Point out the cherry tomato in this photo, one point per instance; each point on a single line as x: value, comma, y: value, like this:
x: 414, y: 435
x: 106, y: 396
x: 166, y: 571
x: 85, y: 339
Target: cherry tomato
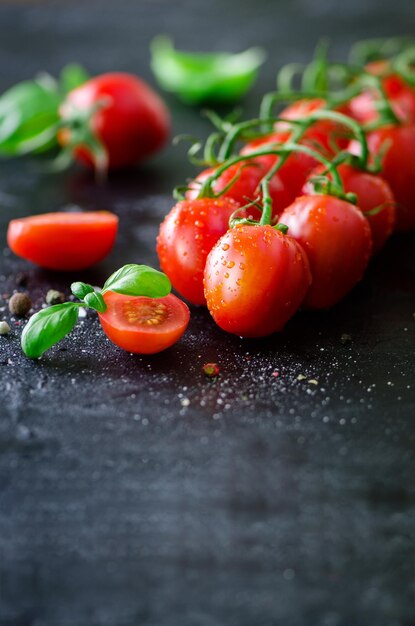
x: 255, y: 279
x: 186, y: 237
x: 326, y: 136
x: 63, y: 241
x: 372, y: 193
x: 132, y: 122
x: 144, y: 325
x: 337, y: 240
x: 400, y: 95
x: 247, y: 186
x: 398, y: 168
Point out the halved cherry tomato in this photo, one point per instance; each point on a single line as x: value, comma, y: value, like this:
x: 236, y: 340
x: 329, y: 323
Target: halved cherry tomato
x: 337, y: 240
x: 186, y: 237
x: 63, y: 241
x: 144, y: 325
x: 372, y: 192
x: 130, y: 120
x: 255, y: 279
x: 397, y: 143
x: 400, y: 95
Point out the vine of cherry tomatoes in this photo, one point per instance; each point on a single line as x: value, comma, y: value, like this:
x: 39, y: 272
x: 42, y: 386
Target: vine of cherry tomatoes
x: 291, y: 207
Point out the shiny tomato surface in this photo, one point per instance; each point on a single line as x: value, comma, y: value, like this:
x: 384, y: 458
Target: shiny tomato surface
x: 63, y: 241
x: 255, y: 280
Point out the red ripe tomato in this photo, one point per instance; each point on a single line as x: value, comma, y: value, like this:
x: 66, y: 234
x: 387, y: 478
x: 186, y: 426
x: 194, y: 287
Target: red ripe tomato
x: 247, y: 186
x: 398, y: 168
x: 63, y: 241
x: 290, y: 178
x: 372, y: 193
x: 337, y: 240
x: 363, y: 107
x: 255, y: 279
x: 144, y: 325
x: 326, y: 136
x: 186, y: 237
x: 132, y: 123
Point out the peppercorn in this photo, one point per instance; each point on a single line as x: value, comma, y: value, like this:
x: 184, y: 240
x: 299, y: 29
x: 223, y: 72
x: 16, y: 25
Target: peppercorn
x: 20, y: 304
x: 4, y: 328
x: 54, y: 297
x: 211, y: 370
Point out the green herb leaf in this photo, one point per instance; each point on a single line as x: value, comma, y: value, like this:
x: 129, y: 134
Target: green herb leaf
x: 80, y: 290
x: 47, y: 327
x: 95, y: 301
x: 29, y: 116
x: 138, y: 280
x: 201, y: 77
x: 72, y: 76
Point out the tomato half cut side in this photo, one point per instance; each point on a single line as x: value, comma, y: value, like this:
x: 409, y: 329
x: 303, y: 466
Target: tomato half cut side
x: 144, y: 325
x: 63, y: 241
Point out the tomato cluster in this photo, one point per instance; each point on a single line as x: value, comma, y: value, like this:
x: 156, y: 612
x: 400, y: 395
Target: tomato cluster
x: 292, y: 216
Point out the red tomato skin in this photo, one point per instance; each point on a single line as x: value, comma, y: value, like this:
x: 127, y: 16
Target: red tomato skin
x: 398, y: 168
x: 337, y: 240
x: 400, y: 94
x: 186, y: 237
x: 247, y: 187
x: 141, y: 338
x: 132, y: 124
x: 255, y: 280
x: 63, y: 241
x: 372, y: 191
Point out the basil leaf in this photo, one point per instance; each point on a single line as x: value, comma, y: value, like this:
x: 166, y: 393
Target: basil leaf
x: 47, y: 327
x: 95, y: 301
x: 200, y: 77
x: 138, y: 280
x: 27, y: 112
x: 72, y: 76
x: 80, y: 290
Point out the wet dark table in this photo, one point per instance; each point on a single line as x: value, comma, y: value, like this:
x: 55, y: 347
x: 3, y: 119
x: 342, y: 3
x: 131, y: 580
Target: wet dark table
x: 133, y: 491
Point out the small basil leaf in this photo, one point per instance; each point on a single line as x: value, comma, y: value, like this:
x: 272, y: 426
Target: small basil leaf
x: 47, y: 327
x: 80, y: 290
x: 139, y: 280
x: 72, y: 76
x: 95, y: 301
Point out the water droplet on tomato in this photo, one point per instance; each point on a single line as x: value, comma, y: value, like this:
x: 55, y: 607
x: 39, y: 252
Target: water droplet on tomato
x: 231, y: 264
x: 225, y: 246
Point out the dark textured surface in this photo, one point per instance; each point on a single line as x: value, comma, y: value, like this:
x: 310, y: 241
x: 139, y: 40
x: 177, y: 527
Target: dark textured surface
x: 133, y: 491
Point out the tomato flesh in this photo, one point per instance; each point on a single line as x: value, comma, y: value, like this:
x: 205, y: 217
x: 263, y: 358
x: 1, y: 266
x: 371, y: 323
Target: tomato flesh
x: 132, y: 123
x: 186, y: 236
x: 337, y: 240
x: 255, y: 279
x: 63, y: 241
x: 144, y: 325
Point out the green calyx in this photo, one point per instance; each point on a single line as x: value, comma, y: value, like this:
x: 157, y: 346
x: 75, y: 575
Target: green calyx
x: 47, y: 327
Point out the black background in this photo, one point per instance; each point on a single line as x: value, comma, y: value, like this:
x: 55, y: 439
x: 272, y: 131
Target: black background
x: 133, y: 491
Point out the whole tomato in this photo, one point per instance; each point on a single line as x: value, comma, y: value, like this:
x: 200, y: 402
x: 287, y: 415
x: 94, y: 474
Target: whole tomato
x: 374, y: 198
x: 337, y: 240
x: 120, y: 111
x: 188, y: 233
x: 247, y: 176
x: 364, y: 107
x: 255, y: 280
x: 397, y: 145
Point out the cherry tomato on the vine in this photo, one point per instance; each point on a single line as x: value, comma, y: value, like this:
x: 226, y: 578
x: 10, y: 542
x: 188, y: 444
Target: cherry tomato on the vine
x: 374, y: 198
x: 63, y: 241
x: 255, y: 279
x: 144, y: 325
x: 397, y: 145
x: 337, y: 240
x: 122, y: 112
x: 364, y: 107
x: 186, y: 237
